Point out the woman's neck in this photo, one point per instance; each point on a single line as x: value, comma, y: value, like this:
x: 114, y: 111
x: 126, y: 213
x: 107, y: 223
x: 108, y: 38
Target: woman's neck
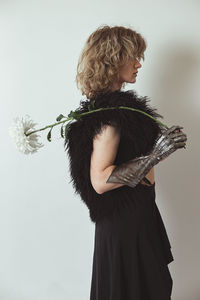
x: 116, y: 87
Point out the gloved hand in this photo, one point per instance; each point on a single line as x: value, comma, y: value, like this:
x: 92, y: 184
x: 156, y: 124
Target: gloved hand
x: 169, y: 141
x: 133, y: 171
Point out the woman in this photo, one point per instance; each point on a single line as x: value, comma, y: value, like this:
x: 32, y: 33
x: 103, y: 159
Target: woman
x: 112, y: 154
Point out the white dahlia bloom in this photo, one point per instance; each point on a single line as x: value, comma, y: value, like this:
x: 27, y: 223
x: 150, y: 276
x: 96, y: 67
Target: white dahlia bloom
x: 25, y: 144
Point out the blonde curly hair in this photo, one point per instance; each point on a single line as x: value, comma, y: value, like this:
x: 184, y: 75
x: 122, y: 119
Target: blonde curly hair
x: 105, y: 51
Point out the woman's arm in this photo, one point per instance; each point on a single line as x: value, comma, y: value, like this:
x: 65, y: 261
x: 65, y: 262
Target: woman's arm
x: 134, y: 170
x: 105, y: 146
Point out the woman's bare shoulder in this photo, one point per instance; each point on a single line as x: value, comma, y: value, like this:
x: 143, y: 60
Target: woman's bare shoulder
x: 105, y: 146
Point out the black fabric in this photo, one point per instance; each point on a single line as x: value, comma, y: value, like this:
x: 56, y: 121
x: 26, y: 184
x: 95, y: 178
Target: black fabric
x: 138, y: 134
x: 132, y: 252
x: 131, y: 247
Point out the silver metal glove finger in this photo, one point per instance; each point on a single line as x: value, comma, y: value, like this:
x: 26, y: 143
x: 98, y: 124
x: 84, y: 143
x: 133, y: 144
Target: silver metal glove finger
x: 178, y: 134
x: 180, y: 145
x: 179, y: 137
x: 172, y: 128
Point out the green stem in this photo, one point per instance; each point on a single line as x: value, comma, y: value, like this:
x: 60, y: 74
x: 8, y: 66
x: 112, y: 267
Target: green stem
x: 49, y: 126
x: 96, y: 110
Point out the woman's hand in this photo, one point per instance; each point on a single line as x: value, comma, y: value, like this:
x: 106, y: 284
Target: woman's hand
x: 169, y: 140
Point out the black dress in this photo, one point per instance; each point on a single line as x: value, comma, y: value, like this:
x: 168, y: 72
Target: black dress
x: 132, y: 253
x: 131, y: 247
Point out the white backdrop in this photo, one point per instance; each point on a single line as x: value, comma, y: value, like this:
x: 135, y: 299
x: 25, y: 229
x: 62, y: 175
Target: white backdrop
x: 46, y: 236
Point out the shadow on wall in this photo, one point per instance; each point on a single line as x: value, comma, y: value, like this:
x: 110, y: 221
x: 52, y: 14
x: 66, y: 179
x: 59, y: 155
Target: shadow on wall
x: 176, y: 88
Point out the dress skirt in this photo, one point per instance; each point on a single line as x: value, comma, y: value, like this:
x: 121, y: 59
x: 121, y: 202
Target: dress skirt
x: 132, y: 252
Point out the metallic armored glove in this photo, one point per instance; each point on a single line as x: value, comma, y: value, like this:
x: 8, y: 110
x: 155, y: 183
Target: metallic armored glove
x: 133, y: 171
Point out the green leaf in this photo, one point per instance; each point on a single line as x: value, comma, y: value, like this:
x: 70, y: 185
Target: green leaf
x: 74, y: 115
x: 60, y: 117
x: 67, y: 130
x: 93, y: 102
x: 62, y: 131
x: 70, y: 114
x: 49, y: 135
x: 91, y: 105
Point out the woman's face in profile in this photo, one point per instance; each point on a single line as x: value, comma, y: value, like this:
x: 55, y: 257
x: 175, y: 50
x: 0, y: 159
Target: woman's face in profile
x: 128, y: 72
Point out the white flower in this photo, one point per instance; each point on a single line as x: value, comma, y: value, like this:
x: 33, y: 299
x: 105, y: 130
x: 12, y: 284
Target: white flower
x: 26, y: 144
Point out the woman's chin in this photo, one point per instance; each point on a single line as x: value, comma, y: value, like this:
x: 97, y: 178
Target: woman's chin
x: 132, y: 81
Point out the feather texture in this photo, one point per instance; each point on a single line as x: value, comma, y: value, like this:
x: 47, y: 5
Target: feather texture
x: 138, y: 133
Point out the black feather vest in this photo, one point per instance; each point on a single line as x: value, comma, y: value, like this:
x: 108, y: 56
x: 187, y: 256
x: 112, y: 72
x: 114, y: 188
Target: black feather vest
x: 138, y: 135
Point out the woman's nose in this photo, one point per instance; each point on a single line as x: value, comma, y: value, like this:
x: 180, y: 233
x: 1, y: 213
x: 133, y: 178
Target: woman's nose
x: 137, y: 64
